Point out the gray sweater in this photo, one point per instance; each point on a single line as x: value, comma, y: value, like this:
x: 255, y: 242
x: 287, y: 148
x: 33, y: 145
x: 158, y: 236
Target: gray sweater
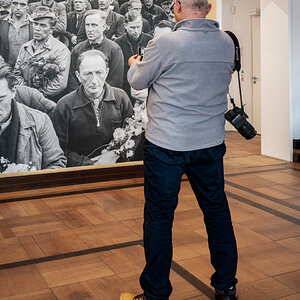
x: 188, y: 72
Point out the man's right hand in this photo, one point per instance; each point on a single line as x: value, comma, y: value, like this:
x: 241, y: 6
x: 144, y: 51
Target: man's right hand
x: 133, y: 59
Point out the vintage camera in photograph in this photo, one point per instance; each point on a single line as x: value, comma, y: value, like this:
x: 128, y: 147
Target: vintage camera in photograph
x: 238, y: 118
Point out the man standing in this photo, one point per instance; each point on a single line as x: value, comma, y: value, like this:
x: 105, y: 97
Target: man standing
x: 150, y: 11
x: 114, y: 22
x: 130, y: 41
x: 188, y: 72
x: 135, y: 6
x: 95, y: 24
x: 15, y: 30
x: 45, y: 46
x: 59, y: 10
x: 27, y: 135
x: 86, y: 119
x: 74, y: 20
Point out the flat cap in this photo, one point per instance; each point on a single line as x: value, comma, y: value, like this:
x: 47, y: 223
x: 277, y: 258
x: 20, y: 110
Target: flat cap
x: 167, y: 2
x: 43, y: 12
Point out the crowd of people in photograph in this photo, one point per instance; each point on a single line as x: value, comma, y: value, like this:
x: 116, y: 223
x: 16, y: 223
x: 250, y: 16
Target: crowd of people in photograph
x: 65, y: 98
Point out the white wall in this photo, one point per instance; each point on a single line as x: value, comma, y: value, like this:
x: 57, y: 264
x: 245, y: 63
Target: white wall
x: 280, y: 62
x: 240, y: 24
x: 295, y: 67
x: 275, y: 79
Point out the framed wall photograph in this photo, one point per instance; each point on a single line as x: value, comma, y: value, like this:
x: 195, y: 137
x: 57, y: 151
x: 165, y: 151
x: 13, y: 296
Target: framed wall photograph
x: 69, y: 114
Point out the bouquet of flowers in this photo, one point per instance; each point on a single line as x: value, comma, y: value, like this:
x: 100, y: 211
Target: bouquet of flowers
x: 7, y: 167
x: 44, y: 70
x: 124, y: 139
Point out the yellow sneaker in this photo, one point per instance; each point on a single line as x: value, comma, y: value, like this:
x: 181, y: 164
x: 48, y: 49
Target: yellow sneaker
x: 128, y: 296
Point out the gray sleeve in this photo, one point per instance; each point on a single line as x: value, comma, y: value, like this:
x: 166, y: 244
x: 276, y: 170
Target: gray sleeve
x: 143, y: 74
x: 34, y: 99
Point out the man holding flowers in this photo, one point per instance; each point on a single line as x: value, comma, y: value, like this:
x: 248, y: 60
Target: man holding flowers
x: 86, y: 119
x: 44, y: 62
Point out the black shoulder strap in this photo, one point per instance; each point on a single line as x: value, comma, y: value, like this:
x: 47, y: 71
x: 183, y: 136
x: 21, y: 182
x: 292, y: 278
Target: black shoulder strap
x: 237, y: 58
x: 237, y: 64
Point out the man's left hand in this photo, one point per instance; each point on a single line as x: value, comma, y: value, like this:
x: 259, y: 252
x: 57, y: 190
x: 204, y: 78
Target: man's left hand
x: 109, y: 157
x: 133, y: 59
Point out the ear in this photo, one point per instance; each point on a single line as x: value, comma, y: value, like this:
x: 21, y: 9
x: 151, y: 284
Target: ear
x: 107, y: 72
x: 208, y: 8
x: 13, y: 92
x: 78, y: 76
x: 177, y: 6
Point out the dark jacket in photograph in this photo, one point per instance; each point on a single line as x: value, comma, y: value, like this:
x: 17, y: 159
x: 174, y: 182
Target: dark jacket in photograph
x: 75, y: 123
x: 72, y: 24
x: 115, y: 27
x: 115, y: 62
x: 4, y: 36
x: 30, y: 137
x: 34, y: 99
x: 129, y: 48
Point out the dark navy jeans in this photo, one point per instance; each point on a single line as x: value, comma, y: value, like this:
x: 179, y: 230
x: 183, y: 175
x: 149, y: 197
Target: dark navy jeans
x: 163, y: 172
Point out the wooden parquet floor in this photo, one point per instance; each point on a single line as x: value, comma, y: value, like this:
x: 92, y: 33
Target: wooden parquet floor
x: 85, y: 241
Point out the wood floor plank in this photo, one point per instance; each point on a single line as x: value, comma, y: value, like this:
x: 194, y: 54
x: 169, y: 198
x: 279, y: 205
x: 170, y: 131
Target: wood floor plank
x: 271, y: 258
x: 264, y: 289
x: 59, y: 242
x: 120, y: 204
x: 31, y: 247
x: 290, y: 297
x: 181, y: 288
x: 291, y: 243
x: 35, y: 207
x: 191, y: 219
x: 73, y: 218
x: 67, y: 202
x: 273, y: 192
x: 271, y: 227
x: 105, y: 234
x: 291, y: 279
x: 280, y: 177
x: 188, y: 243
x: 19, y: 281
x: 265, y: 202
x: 11, y: 250
x: 96, y: 215
x: 135, y: 225
x: 108, y: 199
x: 5, y: 231
x: 38, y: 295
x: 126, y: 261
x: 35, y: 224
x: 75, y: 291
x: 108, y: 287
x: 73, y: 270
x: 12, y: 210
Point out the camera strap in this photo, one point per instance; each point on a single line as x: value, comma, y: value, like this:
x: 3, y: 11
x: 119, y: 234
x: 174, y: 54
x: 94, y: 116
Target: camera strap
x: 237, y: 64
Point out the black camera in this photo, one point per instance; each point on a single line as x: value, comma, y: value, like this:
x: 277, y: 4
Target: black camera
x: 238, y: 118
x: 141, y: 51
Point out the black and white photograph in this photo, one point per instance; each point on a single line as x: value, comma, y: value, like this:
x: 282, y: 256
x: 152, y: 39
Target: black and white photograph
x: 63, y: 76
x: 149, y: 150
